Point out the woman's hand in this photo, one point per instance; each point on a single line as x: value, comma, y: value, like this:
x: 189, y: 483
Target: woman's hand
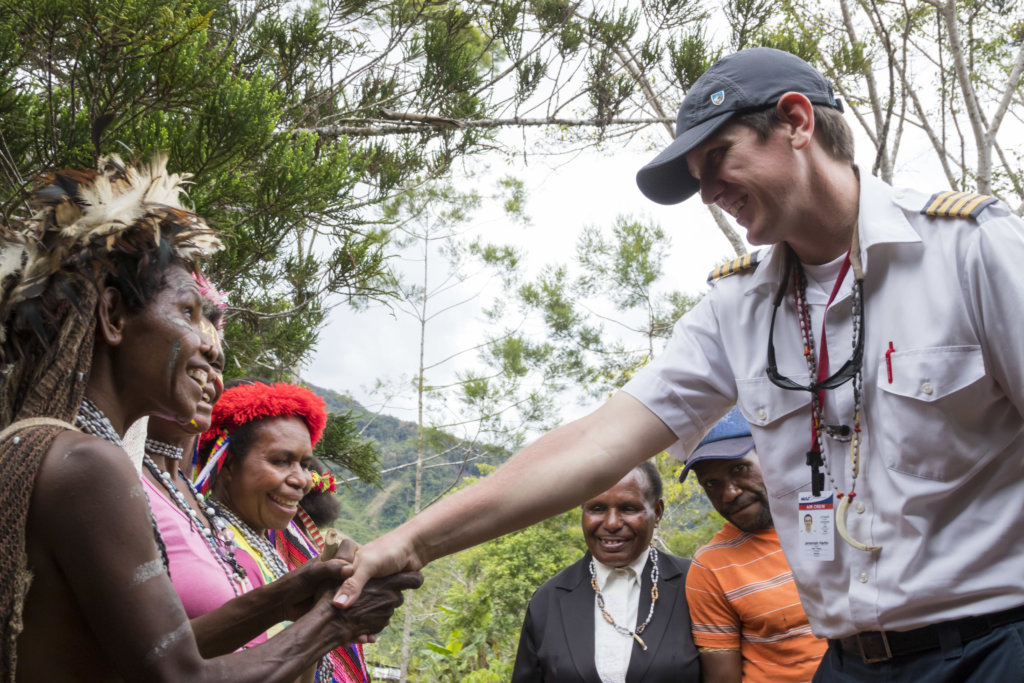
x: 300, y: 587
x: 378, y: 600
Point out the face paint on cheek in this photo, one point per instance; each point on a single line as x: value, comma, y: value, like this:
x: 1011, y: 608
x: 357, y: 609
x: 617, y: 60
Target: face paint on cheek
x: 208, y: 332
x: 172, y: 359
x: 182, y: 323
x: 187, y: 328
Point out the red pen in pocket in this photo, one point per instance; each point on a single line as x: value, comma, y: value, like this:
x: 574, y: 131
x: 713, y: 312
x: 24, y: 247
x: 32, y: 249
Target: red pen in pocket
x: 888, y: 361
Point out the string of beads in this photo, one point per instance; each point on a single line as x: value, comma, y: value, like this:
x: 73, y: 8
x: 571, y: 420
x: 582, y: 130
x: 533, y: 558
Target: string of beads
x: 214, y: 531
x: 257, y: 542
x: 262, y: 545
x: 635, y: 635
x: 804, y: 317
x: 164, y: 449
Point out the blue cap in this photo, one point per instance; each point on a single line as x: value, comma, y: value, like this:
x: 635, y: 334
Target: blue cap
x: 728, y: 440
x: 740, y: 83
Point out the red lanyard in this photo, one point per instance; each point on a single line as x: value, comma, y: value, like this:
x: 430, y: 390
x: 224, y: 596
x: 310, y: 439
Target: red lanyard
x: 823, y: 354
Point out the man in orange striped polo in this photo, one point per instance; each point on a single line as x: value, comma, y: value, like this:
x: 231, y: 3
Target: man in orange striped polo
x: 747, y: 619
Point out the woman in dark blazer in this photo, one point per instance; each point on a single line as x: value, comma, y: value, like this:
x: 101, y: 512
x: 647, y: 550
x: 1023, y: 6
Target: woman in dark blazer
x: 557, y: 643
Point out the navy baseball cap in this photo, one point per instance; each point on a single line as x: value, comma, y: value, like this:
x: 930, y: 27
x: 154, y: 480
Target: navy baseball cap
x: 740, y: 83
x: 728, y: 440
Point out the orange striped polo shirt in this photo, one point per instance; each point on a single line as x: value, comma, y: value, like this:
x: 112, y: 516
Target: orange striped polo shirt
x: 741, y: 596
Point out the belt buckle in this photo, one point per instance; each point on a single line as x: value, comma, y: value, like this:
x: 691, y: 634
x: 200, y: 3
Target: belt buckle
x: 874, y: 647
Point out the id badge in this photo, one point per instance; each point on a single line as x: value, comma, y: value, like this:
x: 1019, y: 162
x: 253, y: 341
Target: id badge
x: 816, y: 523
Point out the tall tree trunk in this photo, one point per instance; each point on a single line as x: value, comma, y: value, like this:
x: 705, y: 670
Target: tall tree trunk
x: 420, y: 451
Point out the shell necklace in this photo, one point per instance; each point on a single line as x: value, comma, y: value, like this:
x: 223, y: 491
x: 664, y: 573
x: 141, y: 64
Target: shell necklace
x: 635, y: 635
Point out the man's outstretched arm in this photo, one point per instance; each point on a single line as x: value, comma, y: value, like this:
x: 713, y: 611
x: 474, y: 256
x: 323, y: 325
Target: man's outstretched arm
x: 555, y: 473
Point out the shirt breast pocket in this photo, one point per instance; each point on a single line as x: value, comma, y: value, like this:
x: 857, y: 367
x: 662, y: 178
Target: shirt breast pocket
x: 780, y: 422
x: 931, y: 403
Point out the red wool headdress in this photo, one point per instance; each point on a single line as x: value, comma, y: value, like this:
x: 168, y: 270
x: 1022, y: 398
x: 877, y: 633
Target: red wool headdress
x: 247, y: 402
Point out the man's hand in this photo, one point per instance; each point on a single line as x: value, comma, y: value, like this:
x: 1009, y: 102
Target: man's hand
x: 381, y: 557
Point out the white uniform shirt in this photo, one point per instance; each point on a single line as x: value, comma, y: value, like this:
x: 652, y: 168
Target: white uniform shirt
x: 621, y: 591
x: 941, y: 483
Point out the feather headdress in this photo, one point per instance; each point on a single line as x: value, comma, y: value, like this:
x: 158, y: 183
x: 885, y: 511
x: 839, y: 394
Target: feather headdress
x: 257, y: 401
x: 87, y: 227
x: 87, y: 213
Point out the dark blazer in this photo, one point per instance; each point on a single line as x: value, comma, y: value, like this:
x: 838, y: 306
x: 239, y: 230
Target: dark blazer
x: 557, y: 641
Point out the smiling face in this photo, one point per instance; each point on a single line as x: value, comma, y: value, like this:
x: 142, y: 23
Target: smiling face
x: 754, y: 181
x: 619, y: 523
x: 736, y: 490
x: 164, y: 429
x: 163, y: 351
x: 214, y: 386
x: 265, y: 486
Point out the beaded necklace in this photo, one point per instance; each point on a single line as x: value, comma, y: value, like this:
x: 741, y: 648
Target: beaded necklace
x: 164, y: 449
x: 277, y: 567
x: 257, y: 542
x: 818, y: 426
x: 91, y: 420
x: 215, y: 533
x: 814, y: 457
x: 635, y: 635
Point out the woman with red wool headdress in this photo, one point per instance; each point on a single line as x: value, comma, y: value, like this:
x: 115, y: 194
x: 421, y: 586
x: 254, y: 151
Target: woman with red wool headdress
x: 260, y: 446
x: 101, y: 325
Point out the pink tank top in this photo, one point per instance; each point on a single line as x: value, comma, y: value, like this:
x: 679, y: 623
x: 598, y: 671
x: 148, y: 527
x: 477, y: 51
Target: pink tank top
x: 200, y: 580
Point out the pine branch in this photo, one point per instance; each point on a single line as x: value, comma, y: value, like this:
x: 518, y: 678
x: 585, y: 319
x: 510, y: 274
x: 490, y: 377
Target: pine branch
x: 426, y: 124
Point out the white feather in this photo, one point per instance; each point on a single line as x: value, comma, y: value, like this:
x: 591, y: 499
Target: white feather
x: 11, y: 259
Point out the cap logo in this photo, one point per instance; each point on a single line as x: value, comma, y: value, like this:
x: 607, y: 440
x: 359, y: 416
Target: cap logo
x: 718, y: 97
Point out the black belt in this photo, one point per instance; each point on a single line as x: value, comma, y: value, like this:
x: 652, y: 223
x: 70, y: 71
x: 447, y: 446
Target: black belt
x: 880, y: 646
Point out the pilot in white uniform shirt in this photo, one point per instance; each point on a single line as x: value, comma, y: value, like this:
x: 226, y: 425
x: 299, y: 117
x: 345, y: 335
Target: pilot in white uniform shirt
x: 940, y: 485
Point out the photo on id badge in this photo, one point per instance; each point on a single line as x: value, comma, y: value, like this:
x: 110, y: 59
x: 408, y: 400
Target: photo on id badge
x: 816, y: 522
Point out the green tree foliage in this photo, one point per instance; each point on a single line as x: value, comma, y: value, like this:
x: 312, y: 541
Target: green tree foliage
x: 298, y: 118
x: 444, y: 276
x: 211, y: 86
x: 342, y: 445
x: 938, y: 74
x: 591, y: 346
x: 477, y: 599
x: 369, y: 509
x: 689, y: 520
x: 473, y: 604
x: 238, y: 93
x: 473, y: 608
x: 485, y: 606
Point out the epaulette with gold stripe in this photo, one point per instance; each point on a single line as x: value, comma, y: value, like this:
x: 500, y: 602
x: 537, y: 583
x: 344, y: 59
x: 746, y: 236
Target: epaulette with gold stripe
x: 957, y: 204
x: 742, y: 264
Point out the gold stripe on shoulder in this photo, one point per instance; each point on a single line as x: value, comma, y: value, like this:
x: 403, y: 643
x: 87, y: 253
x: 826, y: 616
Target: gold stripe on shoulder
x: 745, y: 263
x: 957, y: 204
